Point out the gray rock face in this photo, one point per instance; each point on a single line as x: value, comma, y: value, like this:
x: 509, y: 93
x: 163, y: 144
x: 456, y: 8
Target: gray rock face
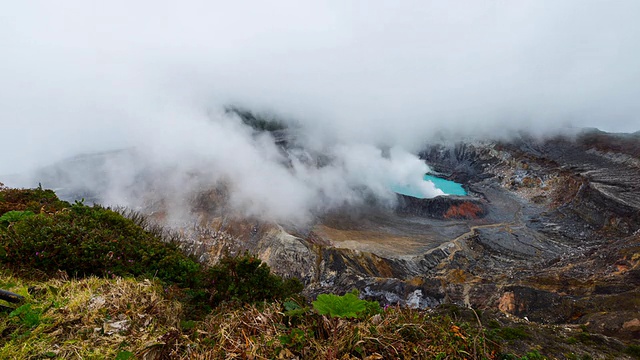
x: 442, y: 207
x: 557, y: 241
x: 550, y: 231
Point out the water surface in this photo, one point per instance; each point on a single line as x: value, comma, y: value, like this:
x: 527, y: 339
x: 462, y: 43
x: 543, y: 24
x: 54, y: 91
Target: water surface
x: 448, y: 187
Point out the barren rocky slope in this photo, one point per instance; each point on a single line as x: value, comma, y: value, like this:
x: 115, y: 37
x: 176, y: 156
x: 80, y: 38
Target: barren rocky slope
x: 550, y: 233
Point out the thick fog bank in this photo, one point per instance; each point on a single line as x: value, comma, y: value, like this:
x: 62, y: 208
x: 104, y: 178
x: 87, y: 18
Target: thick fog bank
x: 364, y: 85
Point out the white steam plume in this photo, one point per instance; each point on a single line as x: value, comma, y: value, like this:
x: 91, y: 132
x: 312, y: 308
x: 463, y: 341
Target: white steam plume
x: 85, y: 76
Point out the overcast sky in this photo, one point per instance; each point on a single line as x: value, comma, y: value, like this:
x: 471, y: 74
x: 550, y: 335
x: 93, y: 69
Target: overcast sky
x: 83, y: 76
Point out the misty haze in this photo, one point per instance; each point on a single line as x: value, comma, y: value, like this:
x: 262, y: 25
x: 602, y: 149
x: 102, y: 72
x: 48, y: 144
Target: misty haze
x: 80, y: 78
x: 482, y: 154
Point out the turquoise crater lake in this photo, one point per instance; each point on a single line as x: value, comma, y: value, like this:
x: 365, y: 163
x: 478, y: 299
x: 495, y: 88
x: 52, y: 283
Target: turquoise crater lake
x: 448, y: 187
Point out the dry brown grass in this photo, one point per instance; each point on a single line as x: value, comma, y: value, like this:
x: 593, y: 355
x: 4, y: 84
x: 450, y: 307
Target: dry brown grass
x: 397, y: 333
x: 97, y: 318
x: 101, y: 318
x: 86, y: 318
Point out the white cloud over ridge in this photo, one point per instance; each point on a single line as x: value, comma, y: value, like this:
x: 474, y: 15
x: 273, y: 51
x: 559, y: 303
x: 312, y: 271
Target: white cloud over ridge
x: 84, y: 76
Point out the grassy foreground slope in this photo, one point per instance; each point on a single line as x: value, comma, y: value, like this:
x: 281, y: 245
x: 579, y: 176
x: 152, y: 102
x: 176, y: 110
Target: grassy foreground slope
x: 99, y: 285
x: 106, y: 318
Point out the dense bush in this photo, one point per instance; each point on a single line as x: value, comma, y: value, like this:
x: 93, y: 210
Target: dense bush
x: 92, y: 240
x: 85, y: 240
x: 34, y: 200
x: 247, y: 279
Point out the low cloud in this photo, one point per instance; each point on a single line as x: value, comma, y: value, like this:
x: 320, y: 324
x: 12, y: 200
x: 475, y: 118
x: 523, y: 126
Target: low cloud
x: 365, y: 84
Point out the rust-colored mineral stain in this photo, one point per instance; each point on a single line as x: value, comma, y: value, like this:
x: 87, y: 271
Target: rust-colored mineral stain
x: 466, y: 210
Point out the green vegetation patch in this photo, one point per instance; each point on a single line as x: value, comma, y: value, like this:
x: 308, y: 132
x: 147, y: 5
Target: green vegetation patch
x: 34, y: 200
x: 84, y: 318
x: 633, y: 350
x: 83, y: 241
x: 132, y: 294
x: 12, y: 216
x: 246, y: 279
x: 512, y: 333
x: 347, y: 306
x: 96, y: 241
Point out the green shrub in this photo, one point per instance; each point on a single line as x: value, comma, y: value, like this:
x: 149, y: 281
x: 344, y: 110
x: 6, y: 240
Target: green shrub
x: 533, y: 355
x: 346, y: 306
x: 512, y: 333
x: 13, y: 216
x: 493, y: 324
x: 571, y: 340
x: 247, y: 279
x: 296, y: 339
x: 93, y: 241
x: 34, y: 200
x: 28, y: 316
x: 125, y: 355
x: 633, y: 350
